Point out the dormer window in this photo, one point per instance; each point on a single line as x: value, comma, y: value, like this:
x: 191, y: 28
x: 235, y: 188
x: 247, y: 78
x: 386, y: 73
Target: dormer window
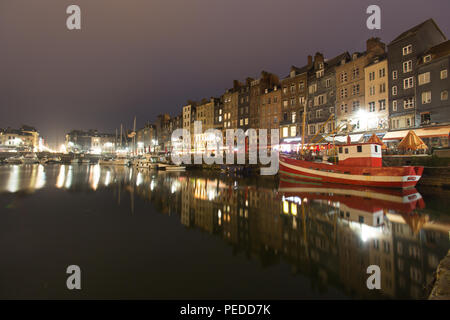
x: 292, y: 73
x: 321, y: 65
x: 427, y: 58
x: 407, y: 50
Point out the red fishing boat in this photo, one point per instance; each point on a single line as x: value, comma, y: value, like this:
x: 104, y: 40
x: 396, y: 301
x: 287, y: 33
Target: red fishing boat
x: 358, y: 164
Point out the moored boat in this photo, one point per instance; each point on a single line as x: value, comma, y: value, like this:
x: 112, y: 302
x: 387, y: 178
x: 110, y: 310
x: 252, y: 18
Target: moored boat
x: 358, y: 164
x: 14, y: 160
x: 30, y: 158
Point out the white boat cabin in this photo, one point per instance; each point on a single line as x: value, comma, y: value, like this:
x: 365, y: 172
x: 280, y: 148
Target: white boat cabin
x: 360, y: 155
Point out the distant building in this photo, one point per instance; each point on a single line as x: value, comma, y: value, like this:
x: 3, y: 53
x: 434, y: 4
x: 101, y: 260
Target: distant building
x: 163, y: 133
x: 403, y: 55
x: 91, y: 141
x: 146, y: 139
x: 26, y: 138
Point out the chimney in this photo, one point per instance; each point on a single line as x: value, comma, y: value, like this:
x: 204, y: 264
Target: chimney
x: 375, y: 46
x: 310, y: 60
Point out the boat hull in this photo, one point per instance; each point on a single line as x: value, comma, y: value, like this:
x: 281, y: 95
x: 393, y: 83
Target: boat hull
x: 385, y: 177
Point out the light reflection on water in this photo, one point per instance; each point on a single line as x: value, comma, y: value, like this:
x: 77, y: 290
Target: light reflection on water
x: 323, y: 232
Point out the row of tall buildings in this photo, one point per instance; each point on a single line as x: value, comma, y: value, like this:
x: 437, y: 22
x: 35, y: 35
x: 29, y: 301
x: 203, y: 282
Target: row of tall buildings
x: 386, y: 89
x: 400, y: 86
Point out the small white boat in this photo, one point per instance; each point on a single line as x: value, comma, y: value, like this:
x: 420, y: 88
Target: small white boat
x: 14, y: 160
x: 30, y: 158
x: 120, y: 161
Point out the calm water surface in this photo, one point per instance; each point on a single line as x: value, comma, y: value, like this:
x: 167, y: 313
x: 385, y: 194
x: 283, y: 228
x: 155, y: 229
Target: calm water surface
x: 141, y: 234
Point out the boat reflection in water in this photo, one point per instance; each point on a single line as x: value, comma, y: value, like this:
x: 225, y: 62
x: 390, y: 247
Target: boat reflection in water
x: 328, y: 234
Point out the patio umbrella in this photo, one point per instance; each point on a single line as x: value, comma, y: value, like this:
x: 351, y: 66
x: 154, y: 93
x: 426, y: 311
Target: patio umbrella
x: 412, y: 142
x: 375, y: 139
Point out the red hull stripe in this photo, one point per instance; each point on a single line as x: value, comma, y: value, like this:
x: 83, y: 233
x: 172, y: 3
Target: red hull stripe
x: 392, y: 181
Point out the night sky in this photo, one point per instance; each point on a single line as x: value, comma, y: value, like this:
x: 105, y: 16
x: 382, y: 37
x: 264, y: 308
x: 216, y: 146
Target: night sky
x: 144, y: 57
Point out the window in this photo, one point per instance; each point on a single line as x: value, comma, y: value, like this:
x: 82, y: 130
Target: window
x: 241, y: 122
x: 408, y: 83
x: 318, y: 113
x: 343, y: 77
x: 301, y: 100
x: 285, y: 103
x: 426, y: 97
x: 407, y: 50
x: 425, y: 118
x: 394, y: 75
x: 340, y: 149
x: 293, y: 131
x: 371, y: 106
x: 320, y: 73
x: 382, y: 72
x: 427, y: 58
x: 408, y: 103
x: 246, y: 121
x: 328, y: 83
x: 372, y: 90
x: 382, y: 104
x: 344, y: 108
x: 285, y: 131
x: 355, y: 73
x: 372, y: 76
x: 407, y: 66
x: 424, y: 78
x: 292, y: 101
x: 355, y: 105
x: 322, y: 99
x: 331, y: 110
x: 346, y: 150
x: 285, y: 90
x: 313, y: 88
x: 355, y: 89
x: 301, y: 85
x: 359, y: 148
x: 344, y: 93
x: 394, y: 105
x: 444, y: 74
x: 394, y: 90
x: 294, y: 116
x: 444, y: 95
x: 383, y: 88
x: 312, y: 129
x: 292, y: 88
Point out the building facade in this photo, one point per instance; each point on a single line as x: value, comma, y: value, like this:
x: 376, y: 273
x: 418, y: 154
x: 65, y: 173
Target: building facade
x: 352, y: 112
x: 403, y: 55
x: 322, y: 95
x: 433, y: 85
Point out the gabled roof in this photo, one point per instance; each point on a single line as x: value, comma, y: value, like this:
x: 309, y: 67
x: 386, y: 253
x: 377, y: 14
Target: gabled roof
x: 415, y: 29
x: 440, y: 50
x: 336, y: 60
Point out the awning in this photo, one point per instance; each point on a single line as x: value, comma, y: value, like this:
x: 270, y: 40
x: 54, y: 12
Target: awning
x: 422, y: 133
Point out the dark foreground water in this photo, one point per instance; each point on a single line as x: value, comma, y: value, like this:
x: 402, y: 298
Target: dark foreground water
x: 141, y: 234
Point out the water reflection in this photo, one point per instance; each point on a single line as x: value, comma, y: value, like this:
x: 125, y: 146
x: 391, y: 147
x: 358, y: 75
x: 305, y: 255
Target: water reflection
x: 330, y: 234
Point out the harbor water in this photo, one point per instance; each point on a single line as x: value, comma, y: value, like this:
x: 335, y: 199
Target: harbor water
x: 140, y: 234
